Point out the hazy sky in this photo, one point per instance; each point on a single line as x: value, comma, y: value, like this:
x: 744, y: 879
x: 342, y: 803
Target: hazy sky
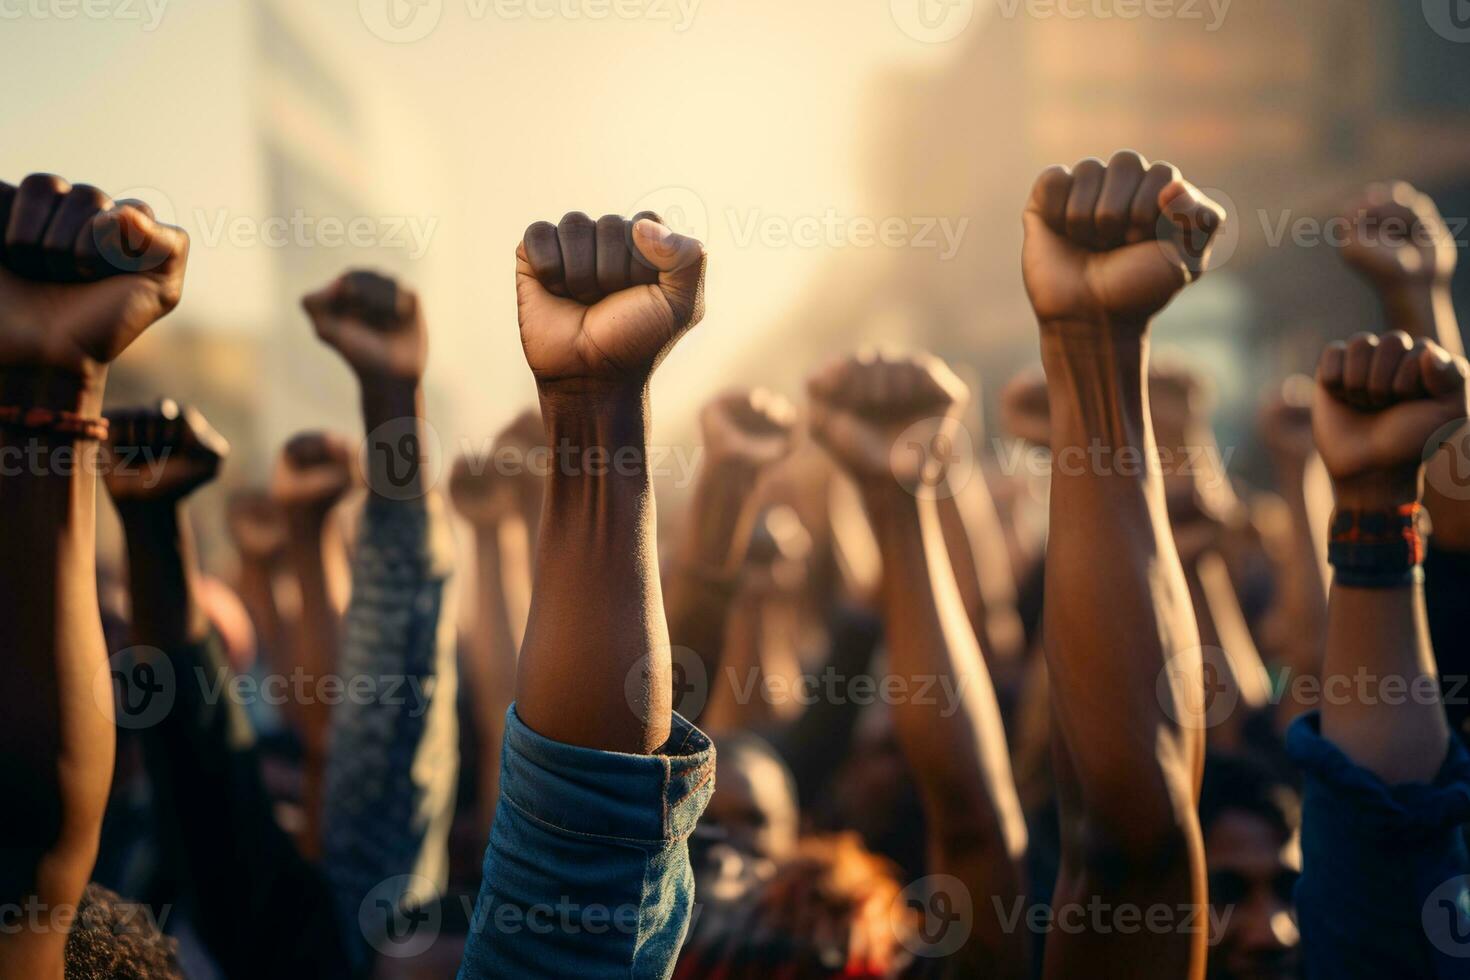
x: 751, y: 111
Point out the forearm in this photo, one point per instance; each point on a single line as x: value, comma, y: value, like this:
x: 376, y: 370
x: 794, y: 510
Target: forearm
x: 982, y: 567
x: 1118, y: 613
x: 258, y: 593
x: 1426, y: 311
x: 59, y: 736
x: 1234, y: 672
x: 955, y: 743
x: 490, y: 669
x: 163, y: 575
x: 702, y: 585
x: 1302, y: 594
x: 597, y: 616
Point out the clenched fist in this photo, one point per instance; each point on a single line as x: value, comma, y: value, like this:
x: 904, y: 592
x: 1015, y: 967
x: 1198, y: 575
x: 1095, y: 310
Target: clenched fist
x: 160, y: 454
x: 374, y: 323
x: 314, y: 471
x: 888, y: 416
x: 751, y: 428
x: 1113, y: 244
x: 605, y: 300
x: 482, y: 495
x: 257, y: 525
x: 1378, y: 405
x: 1397, y: 238
x: 81, y: 276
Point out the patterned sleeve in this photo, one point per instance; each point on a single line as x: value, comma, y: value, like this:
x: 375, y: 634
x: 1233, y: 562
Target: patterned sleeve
x: 393, y: 754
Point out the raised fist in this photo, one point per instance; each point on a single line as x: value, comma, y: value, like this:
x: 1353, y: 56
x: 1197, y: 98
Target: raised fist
x: 1378, y: 405
x: 1115, y: 242
x: 1025, y: 407
x: 257, y: 525
x: 1286, y: 421
x: 81, y: 276
x: 482, y: 495
x: 888, y: 415
x: 605, y: 300
x: 1396, y: 237
x: 314, y: 471
x: 753, y: 428
x: 160, y: 454
x: 374, y: 323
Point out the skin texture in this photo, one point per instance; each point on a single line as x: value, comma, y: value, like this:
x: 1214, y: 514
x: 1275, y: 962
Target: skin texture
x: 1402, y: 247
x: 861, y: 409
x: 66, y: 310
x: 1378, y: 404
x: 489, y: 501
x: 313, y: 473
x: 1106, y: 248
x: 745, y: 434
x: 600, y: 304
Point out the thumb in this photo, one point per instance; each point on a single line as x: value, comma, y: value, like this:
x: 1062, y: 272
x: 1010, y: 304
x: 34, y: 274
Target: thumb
x: 665, y: 249
x: 1192, y: 220
x: 1443, y: 374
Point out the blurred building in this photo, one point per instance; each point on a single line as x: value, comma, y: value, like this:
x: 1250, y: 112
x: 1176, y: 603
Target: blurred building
x: 1289, y: 108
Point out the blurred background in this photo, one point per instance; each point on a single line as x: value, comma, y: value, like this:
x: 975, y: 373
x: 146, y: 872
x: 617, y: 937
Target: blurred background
x: 856, y: 167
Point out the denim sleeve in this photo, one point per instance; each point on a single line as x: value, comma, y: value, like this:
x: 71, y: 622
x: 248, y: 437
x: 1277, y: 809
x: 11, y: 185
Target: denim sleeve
x: 587, y: 873
x: 393, y: 750
x: 1383, y: 890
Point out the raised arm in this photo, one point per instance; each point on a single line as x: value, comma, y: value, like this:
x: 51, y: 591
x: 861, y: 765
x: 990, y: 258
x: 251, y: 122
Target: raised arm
x: 889, y: 422
x: 257, y: 527
x: 80, y: 278
x: 600, y: 781
x: 745, y: 433
x: 201, y: 753
x: 1380, y: 764
x: 313, y: 473
x: 393, y: 758
x: 488, y: 500
x: 1106, y: 248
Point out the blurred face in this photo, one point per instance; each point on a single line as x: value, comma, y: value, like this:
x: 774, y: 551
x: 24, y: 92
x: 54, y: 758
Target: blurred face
x: 752, y: 810
x: 1252, y: 873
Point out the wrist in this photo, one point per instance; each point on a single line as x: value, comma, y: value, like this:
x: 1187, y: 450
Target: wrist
x: 1377, y: 491
x: 595, y: 430
x: 389, y: 399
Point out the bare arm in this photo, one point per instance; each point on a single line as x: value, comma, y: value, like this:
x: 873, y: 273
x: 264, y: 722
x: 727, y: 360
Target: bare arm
x: 956, y: 743
x: 66, y: 310
x: 1118, y: 617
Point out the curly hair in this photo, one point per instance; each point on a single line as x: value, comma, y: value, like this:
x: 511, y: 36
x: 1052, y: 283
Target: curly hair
x: 114, y: 939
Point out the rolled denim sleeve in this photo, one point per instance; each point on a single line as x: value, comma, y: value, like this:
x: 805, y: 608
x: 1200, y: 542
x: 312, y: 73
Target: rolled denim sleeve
x: 1383, y: 889
x: 587, y: 874
x: 393, y: 751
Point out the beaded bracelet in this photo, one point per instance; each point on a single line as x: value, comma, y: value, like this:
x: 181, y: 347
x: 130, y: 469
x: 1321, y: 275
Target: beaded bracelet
x: 1377, y: 549
x: 53, y: 420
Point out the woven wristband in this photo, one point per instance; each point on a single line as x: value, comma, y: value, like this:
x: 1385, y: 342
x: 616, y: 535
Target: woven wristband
x: 53, y: 420
x: 1377, y: 549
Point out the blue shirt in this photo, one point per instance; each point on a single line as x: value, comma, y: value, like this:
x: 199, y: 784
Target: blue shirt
x: 1383, y: 891
x: 587, y: 873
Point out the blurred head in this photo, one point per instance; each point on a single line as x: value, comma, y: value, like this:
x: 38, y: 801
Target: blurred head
x: 1250, y: 820
x: 829, y: 910
x: 113, y: 939
x: 754, y: 809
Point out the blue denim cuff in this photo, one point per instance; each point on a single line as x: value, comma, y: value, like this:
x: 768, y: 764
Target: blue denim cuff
x: 645, y: 799
x: 1380, y: 811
